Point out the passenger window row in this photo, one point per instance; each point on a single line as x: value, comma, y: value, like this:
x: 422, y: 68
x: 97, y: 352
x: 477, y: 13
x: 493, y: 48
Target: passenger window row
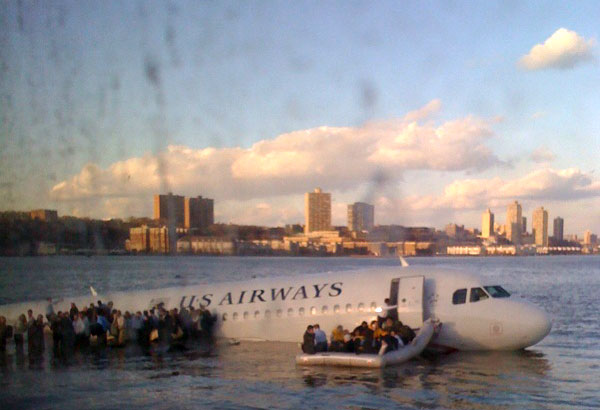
x: 300, y: 312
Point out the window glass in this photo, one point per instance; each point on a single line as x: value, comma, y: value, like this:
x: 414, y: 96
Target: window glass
x: 497, y: 291
x: 224, y: 317
x: 477, y: 294
x: 268, y: 314
x: 256, y: 315
x: 279, y: 312
x: 336, y: 309
x: 290, y: 312
x: 348, y: 308
x: 246, y: 315
x: 324, y: 309
x: 301, y: 311
x: 235, y: 316
x: 313, y: 310
x: 459, y: 297
x: 373, y: 306
x: 361, y: 307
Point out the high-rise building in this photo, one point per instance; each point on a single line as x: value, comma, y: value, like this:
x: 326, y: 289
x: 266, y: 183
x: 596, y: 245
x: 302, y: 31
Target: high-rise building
x: 540, y: 227
x: 199, y: 213
x: 487, y: 224
x: 170, y: 208
x: 361, y: 217
x: 514, y: 218
x: 558, y: 230
x: 317, y: 211
x: 589, y: 238
x: 523, y: 225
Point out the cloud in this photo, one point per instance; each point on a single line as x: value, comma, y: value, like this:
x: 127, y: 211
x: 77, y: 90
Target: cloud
x: 540, y: 185
x: 562, y: 50
x: 336, y: 158
x: 429, y: 109
x: 275, y: 213
x: 455, y: 145
x: 541, y: 155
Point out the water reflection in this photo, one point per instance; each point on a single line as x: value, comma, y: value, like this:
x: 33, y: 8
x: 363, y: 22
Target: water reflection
x: 493, y: 380
x: 460, y: 380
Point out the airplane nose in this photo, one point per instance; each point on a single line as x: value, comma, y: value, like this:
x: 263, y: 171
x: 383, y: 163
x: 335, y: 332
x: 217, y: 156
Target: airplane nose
x: 539, y: 324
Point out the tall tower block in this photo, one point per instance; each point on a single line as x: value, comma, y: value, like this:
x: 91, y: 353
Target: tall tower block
x: 514, y: 218
x: 317, y: 211
x: 487, y: 224
x: 540, y: 227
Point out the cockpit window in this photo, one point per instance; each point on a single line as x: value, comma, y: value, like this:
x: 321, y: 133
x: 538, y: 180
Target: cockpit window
x: 477, y: 294
x: 497, y: 291
x: 459, y: 297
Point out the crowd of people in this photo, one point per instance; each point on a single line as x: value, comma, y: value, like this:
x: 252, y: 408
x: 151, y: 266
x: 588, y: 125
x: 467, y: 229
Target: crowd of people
x: 104, y: 325
x: 380, y: 337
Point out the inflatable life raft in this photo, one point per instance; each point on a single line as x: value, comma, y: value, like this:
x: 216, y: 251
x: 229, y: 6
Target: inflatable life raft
x: 401, y: 355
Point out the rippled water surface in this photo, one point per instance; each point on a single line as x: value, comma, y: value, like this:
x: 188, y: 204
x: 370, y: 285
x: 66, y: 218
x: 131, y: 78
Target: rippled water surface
x: 561, y: 372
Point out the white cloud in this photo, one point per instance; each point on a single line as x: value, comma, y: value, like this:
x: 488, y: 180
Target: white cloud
x: 563, y: 50
x: 541, y: 185
x: 455, y: 145
x: 542, y: 155
x: 273, y: 213
x: 336, y: 158
x: 429, y: 109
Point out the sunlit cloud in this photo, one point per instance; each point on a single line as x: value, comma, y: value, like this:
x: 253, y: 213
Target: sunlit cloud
x: 542, y: 155
x: 338, y: 158
x: 541, y: 185
x: 428, y: 110
x: 562, y: 50
x: 275, y: 213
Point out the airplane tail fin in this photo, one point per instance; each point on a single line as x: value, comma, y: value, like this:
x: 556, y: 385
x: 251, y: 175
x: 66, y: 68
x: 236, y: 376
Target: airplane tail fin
x: 94, y: 293
x: 403, y: 262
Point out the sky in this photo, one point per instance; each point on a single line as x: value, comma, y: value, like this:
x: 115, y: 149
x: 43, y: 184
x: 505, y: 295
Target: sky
x: 431, y: 110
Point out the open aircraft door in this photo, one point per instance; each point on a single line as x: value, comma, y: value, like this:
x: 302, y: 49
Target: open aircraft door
x: 410, y: 300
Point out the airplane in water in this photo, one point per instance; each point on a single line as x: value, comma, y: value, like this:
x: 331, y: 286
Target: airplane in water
x: 475, y: 314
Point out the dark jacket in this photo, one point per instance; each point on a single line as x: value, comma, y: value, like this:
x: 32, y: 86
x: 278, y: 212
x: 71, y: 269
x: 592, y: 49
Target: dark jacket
x: 406, y: 334
x: 3, y: 337
x: 35, y: 339
x: 308, y: 346
x: 73, y: 312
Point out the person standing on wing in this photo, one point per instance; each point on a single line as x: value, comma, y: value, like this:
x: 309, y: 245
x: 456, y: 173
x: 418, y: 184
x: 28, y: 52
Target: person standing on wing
x: 387, y: 311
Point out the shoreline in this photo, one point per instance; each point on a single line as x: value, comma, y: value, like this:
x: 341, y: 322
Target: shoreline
x: 160, y: 255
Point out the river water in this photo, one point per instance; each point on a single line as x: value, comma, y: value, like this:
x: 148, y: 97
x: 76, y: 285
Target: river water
x: 561, y: 372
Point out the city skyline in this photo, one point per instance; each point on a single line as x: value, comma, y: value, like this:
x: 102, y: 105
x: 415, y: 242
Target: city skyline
x: 430, y: 115
x: 360, y: 215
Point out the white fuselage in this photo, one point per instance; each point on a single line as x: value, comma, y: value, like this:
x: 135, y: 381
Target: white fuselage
x: 280, y: 308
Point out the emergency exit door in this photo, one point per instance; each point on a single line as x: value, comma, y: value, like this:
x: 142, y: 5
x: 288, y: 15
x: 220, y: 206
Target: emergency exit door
x: 410, y: 300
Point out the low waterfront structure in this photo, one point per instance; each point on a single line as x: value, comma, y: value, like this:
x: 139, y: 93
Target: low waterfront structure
x: 206, y: 245
x: 466, y: 250
x: 501, y: 250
